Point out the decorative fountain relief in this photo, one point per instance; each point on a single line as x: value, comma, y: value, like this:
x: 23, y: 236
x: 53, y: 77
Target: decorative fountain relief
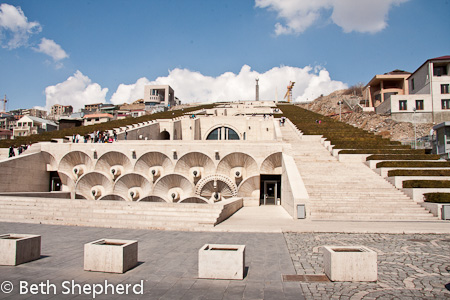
x: 194, y: 177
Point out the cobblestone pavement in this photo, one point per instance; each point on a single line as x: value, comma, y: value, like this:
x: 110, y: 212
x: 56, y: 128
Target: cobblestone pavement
x: 410, y: 266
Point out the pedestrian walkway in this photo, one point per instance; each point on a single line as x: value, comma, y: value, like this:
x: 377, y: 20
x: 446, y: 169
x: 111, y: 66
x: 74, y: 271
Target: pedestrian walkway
x: 276, y: 219
x: 410, y: 266
x: 168, y: 264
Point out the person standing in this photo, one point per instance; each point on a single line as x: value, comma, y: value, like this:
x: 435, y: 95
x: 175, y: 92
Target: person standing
x: 11, y: 151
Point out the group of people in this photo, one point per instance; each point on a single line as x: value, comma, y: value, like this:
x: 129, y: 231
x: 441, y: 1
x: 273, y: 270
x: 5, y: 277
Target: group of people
x: 282, y: 121
x: 20, y: 150
x: 96, y: 137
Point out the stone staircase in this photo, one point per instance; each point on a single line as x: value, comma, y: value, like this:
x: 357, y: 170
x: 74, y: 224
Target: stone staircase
x: 113, y: 214
x: 346, y: 190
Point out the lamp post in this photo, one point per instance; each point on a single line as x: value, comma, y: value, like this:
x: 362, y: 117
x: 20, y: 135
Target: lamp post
x: 415, y: 132
x: 340, y: 109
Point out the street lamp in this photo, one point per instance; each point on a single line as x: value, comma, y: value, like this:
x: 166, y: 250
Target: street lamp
x: 340, y: 109
x: 415, y: 132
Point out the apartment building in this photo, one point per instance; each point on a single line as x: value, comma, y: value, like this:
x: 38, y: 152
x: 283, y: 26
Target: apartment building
x: 427, y: 98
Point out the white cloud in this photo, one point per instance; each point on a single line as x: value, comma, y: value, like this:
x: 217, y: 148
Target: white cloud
x: 191, y: 86
x: 77, y: 91
x: 367, y: 16
x: 52, y: 49
x: 15, y: 30
x: 127, y: 93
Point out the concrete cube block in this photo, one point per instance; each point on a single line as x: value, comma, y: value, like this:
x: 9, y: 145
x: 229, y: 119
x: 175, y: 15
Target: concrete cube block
x: 110, y: 255
x: 350, y: 263
x: 217, y: 261
x: 17, y: 248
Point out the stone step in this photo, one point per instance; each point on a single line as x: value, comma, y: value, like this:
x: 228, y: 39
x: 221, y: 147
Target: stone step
x: 347, y: 190
x: 116, y: 214
x: 109, y: 217
x: 378, y: 217
x: 80, y: 204
x: 135, y: 224
x: 94, y: 212
x: 365, y: 210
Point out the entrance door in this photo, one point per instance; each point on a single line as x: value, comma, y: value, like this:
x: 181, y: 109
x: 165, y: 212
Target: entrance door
x: 270, y: 192
x: 55, y: 182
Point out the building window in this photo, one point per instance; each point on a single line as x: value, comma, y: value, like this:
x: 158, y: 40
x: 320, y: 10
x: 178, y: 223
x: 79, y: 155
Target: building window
x: 444, y: 89
x: 445, y: 103
x: 419, y: 104
x: 402, y: 105
x: 439, y: 70
x: 412, y: 84
x: 229, y: 134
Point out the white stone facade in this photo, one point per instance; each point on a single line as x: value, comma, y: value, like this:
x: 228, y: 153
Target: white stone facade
x: 429, y: 94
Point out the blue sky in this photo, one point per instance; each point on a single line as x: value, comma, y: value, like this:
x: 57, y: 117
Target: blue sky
x: 78, y: 52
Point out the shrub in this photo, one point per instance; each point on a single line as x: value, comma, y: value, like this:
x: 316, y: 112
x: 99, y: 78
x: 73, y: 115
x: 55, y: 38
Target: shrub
x: 437, y: 197
x: 426, y: 184
x: 340, y: 134
x: 382, y: 151
x: 413, y: 164
x: 404, y: 157
x: 418, y: 173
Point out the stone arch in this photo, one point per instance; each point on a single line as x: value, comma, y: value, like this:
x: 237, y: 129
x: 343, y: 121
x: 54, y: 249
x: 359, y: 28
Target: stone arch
x: 250, y: 187
x: 272, y: 164
x: 94, y: 185
x: 153, y: 165
x: 75, y: 164
x: 114, y: 164
x: 50, y: 160
x: 173, y: 187
x: 132, y: 186
x: 195, y: 199
x: 112, y: 197
x: 68, y: 184
x: 239, y: 166
x: 217, y: 183
x: 195, y: 165
x: 209, y: 131
x: 152, y: 199
x: 164, y: 135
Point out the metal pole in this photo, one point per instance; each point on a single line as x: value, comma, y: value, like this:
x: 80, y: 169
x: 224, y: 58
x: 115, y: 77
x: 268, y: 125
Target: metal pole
x: 415, y: 132
x: 340, y: 109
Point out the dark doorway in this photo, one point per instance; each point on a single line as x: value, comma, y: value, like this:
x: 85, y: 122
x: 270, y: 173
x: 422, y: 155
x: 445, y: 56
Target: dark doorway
x: 165, y: 135
x: 55, y: 182
x: 270, y: 190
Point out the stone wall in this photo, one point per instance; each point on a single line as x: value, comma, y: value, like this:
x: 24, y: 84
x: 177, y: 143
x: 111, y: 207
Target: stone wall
x: 24, y: 173
x: 293, y: 191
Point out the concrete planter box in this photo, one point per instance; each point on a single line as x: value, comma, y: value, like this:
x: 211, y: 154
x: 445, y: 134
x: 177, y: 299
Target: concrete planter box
x: 110, y: 255
x: 221, y: 261
x: 350, y: 263
x: 417, y: 193
x: 16, y: 249
x: 373, y: 163
x: 353, y: 157
x: 397, y: 181
x: 383, y: 172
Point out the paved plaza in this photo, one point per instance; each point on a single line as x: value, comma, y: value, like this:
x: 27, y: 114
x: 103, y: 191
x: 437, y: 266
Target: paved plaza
x: 410, y: 266
x: 168, y: 263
